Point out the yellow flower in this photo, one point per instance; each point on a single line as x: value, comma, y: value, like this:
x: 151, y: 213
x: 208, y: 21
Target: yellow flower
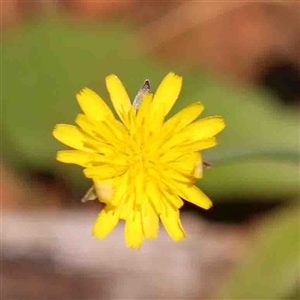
x: 142, y: 165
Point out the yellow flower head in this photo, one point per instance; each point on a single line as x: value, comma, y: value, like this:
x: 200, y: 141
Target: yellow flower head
x: 142, y: 165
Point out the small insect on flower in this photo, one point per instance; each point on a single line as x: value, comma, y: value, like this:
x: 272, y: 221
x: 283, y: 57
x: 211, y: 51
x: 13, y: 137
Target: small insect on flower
x: 143, y: 164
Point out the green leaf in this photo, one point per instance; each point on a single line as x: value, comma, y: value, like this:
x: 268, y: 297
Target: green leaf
x: 271, y: 268
x: 252, y: 178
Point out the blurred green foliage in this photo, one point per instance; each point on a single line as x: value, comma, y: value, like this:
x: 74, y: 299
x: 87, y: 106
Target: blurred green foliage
x: 271, y: 269
x: 46, y: 62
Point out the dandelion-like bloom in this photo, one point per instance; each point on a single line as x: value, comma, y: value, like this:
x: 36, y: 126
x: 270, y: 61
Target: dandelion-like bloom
x: 141, y: 164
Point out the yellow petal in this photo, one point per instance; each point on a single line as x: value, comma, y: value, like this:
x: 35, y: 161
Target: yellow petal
x: 120, y: 192
x: 75, y: 157
x: 95, y: 140
x: 133, y: 230
x: 118, y: 96
x: 113, y: 135
x: 93, y: 105
x: 186, y: 163
x: 144, y: 108
x: 178, y: 122
x: 163, y: 100
x: 118, y: 129
x: 200, y: 130
x: 198, y: 145
x: 139, y: 188
x: 154, y: 196
x: 189, y: 165
x: 101, y: 126
x: 171, y: 155
x: 105, y: 223
x: 178, y: 176
x: 194, y: 195
x: 71, y: 136
x: 150, y: 221
x: 88, y: 125
x: 92, y: 127
x: 102, y: 172
x: 171, y: 221
x: 183, y: 118
x: 173, y: 199
x: 132, y: 128
x: 204, y: 128
x: 103, y: 135
x: 166, y: 94
x: 126, y: 206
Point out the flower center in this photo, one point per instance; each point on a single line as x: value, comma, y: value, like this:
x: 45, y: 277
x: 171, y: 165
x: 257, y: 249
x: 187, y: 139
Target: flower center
x: 142, y: 158
x: 139, y: 156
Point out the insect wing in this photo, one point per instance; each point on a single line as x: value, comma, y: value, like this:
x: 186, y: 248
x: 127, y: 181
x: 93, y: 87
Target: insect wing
x: 146, y: 88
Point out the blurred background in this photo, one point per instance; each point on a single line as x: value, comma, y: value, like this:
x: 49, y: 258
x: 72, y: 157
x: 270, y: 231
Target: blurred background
x: 241, y: 59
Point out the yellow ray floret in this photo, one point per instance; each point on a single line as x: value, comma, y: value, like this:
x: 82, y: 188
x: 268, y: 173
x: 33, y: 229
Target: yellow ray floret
x: 142, y: 164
